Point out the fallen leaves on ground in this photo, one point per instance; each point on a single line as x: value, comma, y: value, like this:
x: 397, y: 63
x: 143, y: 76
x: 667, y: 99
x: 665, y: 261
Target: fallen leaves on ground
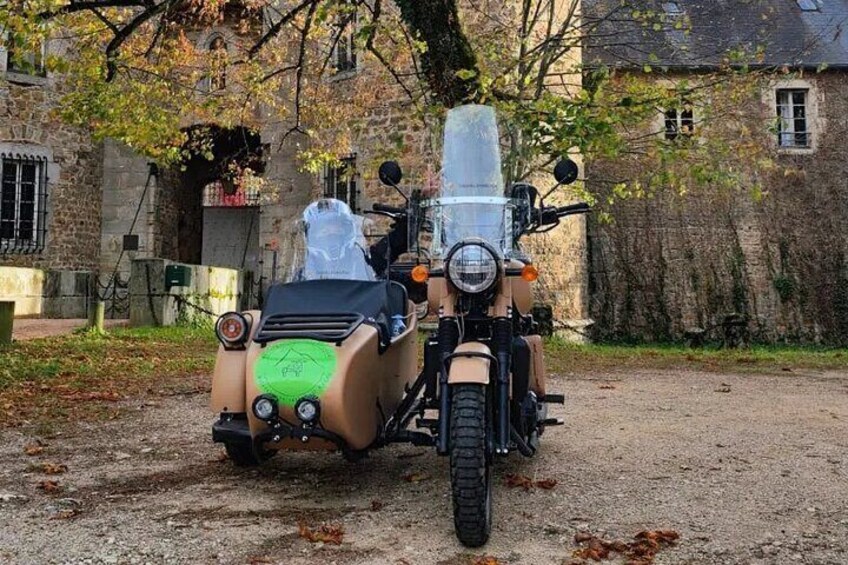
x: 52, y: 468
x: 35, y: 447
x: 546, y: 484
x: 416, y: 477
x: 515, y: 481
x: 376, y: 505
x: 484, y: 560
x: 326, y: 533
x: 525, y: 482
x: 81, y: 377
x: 50, y: 486
x: 65, y: 514
x: 641, y: 551
x: 108, y: 396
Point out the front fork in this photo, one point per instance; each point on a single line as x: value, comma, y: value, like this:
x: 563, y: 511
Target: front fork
x: 501, y: 345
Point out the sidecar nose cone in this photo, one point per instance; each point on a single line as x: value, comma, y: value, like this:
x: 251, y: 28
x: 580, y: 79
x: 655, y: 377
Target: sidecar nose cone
x: 265, y: 408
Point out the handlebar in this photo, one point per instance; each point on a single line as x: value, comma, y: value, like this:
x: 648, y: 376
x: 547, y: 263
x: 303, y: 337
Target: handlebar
x: 550, y: 215
x: 388, y: 209
x: 579, y: 208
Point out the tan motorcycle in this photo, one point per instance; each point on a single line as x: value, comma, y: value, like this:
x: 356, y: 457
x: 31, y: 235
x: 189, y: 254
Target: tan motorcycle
x: 330, y: 363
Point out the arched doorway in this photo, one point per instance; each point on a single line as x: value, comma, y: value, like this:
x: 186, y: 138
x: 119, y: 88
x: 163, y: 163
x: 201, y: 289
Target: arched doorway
x: 217, y: 221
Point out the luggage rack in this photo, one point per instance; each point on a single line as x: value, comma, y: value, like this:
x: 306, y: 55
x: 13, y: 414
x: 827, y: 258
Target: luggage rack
x: 321, y: 327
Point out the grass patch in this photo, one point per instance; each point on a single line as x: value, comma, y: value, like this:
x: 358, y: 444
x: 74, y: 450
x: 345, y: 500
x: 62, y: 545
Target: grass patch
x: 81, y: 376
x: 563, y: 357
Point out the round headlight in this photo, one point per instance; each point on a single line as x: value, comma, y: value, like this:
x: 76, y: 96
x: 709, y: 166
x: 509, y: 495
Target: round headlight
x: 472, y: 268
x: 231, y: 328
x: 265, y: 407
x: 307, y: 410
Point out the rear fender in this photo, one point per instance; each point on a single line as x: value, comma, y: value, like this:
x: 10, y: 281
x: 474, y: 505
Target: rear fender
x: 471, y: 364
x: 230, y: 371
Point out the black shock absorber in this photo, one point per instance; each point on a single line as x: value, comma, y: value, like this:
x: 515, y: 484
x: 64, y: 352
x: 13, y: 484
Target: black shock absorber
x: 502, y: 348
x: 448, y: 342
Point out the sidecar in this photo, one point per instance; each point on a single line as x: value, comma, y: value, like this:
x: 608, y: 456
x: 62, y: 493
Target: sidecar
x: 322, y: 366
x: 318, y: 364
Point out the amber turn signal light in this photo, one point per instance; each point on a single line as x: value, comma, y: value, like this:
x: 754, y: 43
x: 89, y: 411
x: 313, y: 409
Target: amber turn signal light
x: 420, y: 274
x: 529, y: 273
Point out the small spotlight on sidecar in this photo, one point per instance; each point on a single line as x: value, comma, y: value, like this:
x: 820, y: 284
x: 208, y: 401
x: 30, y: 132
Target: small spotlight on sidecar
x: 308, y: 410
x: 265, y: 408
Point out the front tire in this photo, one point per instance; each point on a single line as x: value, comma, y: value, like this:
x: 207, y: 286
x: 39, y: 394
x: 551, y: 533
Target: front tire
x: 471, y: 466
x: 243, y: 454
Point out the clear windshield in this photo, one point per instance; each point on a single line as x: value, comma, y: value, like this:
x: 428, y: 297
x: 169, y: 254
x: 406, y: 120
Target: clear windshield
x: 330, y: 244
x: 471, y: 202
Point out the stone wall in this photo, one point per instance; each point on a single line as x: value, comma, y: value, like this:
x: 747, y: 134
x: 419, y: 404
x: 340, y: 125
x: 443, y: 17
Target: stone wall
x: 671, y: 263
x: 48, y: 294
x: 152, y: 303
x: 125, y: 176
x: 30, y: 127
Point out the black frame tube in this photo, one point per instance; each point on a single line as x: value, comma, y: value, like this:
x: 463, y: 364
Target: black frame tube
x: 448, y: 342
x: 502, y: 345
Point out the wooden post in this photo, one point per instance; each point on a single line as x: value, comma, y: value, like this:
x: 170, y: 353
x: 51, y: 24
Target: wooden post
x: 7, y: 320
x: 97, y: 316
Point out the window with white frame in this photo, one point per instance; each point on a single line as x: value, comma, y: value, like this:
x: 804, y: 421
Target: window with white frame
x: 24, y: 59
x: 793, y: 126
x: 218, y: 61
x: 680, y: 121
x: 343, y: 57
x: 340, y: 181
x: 23, y: 196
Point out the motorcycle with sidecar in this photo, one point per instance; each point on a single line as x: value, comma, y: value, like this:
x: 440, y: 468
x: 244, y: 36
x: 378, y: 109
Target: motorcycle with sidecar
x: 330, y: 363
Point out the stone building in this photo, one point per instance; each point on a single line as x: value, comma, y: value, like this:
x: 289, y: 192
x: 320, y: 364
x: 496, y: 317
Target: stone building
x: 50, y: 200
x: 85, y: 210
x: 189, y: 217
x: 775, y: 262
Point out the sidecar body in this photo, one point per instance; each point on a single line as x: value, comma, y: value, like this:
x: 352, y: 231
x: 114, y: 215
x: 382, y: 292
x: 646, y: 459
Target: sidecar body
x: 328, y: 343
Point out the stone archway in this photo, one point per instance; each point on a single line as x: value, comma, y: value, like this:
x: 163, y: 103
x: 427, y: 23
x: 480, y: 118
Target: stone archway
x: 215, y: 157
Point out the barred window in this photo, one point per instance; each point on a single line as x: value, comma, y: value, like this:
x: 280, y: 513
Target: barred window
x: 340, y: 182
x: 23, y: 199
x: 680, y: 121
x: 217, y: 195
x: 792, y: 124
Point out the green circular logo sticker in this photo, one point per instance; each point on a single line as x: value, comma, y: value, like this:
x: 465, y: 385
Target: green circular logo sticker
x: 294, y: 368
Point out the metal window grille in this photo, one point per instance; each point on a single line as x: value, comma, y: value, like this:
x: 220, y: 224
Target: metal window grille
x: 680, y: 121
x: 23, y: 204
x: 215, y: 195
x: 340, y: 182
x: 792, y: 124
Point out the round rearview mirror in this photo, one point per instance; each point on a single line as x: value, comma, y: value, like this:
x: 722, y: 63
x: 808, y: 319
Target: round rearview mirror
x: 566, y: 171
x: 390, y: 173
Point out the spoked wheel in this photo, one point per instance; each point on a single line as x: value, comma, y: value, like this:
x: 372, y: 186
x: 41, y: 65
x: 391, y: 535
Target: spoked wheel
x: 244, y: 454
x: 471, y: 466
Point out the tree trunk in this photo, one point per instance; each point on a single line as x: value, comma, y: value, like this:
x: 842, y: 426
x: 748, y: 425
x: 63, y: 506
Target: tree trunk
x: 7, y: 319
x: 436, y: 23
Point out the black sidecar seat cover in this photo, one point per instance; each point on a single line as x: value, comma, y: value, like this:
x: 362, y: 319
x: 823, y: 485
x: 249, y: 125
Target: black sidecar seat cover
x: 375, y: 301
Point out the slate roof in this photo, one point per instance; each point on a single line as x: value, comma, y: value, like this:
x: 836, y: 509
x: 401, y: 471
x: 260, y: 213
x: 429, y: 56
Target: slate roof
x: 713, y: 28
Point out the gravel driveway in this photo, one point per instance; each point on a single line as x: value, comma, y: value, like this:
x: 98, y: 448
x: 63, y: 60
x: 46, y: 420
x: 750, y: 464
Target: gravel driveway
x: 748, y: 469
